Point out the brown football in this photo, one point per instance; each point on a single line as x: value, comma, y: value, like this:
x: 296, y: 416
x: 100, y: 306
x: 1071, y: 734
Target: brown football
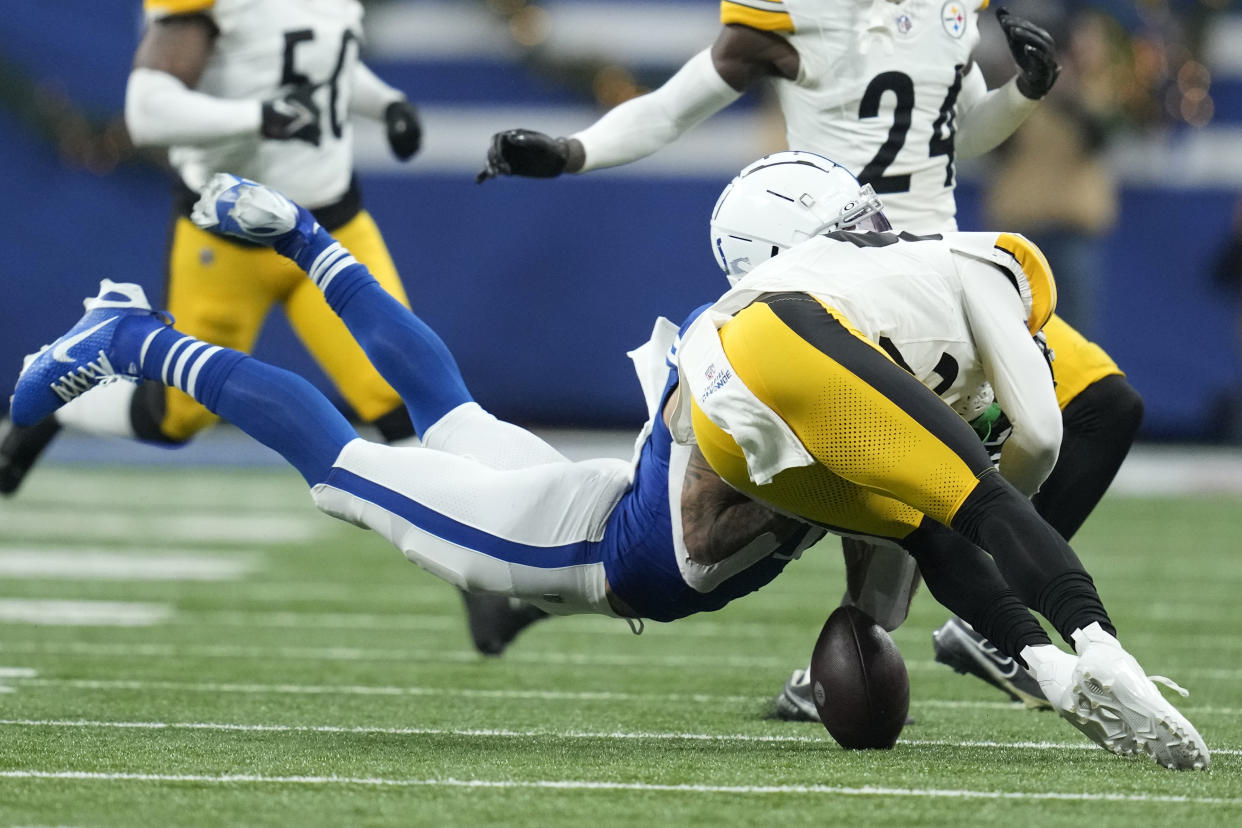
x: 859, y: 681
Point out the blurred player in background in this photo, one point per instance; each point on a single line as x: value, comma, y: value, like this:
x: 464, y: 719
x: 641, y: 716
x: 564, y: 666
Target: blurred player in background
x: 889, y: 90
x: 488, y: 506
x: 266, y: 89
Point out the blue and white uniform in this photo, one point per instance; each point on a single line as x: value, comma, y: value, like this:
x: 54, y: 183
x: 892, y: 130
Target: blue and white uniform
x: 544, y: 529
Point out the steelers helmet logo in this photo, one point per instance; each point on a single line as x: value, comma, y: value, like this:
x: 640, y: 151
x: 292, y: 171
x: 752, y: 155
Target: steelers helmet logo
x: 953, y: 18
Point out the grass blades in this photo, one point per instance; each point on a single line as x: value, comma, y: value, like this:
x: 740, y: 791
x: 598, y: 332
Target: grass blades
x: 201, y: 647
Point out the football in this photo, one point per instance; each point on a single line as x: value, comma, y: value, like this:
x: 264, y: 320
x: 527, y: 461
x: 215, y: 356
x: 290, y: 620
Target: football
x: 859, y: 681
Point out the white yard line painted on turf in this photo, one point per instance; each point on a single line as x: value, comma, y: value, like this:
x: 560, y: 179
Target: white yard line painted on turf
x: 180, y: 526
x: 82, y: 613
x: 593, y: 785
x: 96, y: 563
x: 535, y: 734
x: 18, y: 672
x: 475, y: 693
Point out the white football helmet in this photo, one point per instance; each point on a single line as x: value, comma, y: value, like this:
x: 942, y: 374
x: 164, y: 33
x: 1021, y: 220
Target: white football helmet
x: 783, y: 199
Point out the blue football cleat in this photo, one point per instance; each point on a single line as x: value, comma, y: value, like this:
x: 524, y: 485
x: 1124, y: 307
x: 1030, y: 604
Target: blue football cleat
x: 80, y: 359
x: 246, y: 209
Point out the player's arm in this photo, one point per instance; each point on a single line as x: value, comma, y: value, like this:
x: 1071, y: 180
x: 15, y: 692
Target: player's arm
x: 717, y: 520
x: 372, y: 98
x: 706, y: 84
x: 1019, y: 373
x: 162, y: 107
x: 986, y: 118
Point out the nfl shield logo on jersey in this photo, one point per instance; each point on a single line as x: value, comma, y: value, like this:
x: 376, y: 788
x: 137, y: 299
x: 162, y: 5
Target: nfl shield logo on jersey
x: 953, y: 17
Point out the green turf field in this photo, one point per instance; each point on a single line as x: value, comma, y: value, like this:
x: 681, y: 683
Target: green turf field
x: 199, y: 647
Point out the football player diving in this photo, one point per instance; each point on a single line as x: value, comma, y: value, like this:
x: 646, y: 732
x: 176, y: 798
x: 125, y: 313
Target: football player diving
x: 889, y: 90
x: 266, y: 89
x: 489, y: 507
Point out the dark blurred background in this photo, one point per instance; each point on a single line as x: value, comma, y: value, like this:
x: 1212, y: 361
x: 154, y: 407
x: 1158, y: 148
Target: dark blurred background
x: 1129, y: 178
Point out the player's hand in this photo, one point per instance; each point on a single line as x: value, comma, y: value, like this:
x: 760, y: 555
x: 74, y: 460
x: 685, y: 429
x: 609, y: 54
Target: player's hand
x: 293, y: 116
x: 525, y: 152
x: 1034, y: 51
x: 405, y: 131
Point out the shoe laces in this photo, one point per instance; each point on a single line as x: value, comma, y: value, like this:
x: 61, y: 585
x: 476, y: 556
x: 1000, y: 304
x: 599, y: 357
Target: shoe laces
x: 1171, y: 684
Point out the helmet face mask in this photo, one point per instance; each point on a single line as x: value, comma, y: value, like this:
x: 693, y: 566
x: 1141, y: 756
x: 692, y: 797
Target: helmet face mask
x: 784, y: 199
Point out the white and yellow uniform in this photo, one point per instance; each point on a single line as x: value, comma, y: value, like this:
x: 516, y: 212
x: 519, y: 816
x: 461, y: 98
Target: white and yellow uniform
x: 878, y: 91
x: 220, y: 290
x: 264, y: 47
x: 886, y: 90
x: 833, y: 429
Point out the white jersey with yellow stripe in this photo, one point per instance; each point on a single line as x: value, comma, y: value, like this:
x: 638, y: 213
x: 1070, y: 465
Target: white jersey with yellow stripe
x: 956, y: 310
x: 264, y: 48
x: 877, y: 91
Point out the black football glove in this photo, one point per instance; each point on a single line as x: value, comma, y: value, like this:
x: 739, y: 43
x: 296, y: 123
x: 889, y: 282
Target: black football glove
x: 293, y: 116
x: 527, y: 153
x: 405, y: 131
x: 1033, y: 51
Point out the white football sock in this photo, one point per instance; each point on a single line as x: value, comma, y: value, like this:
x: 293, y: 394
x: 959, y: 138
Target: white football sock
x: 103, y: 410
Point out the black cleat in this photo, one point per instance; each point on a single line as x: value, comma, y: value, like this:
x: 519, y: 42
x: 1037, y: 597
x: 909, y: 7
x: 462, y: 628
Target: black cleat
x: 960, y: 647
x: 495, y: 620
x: 20, y: 447
x: 795, y: 702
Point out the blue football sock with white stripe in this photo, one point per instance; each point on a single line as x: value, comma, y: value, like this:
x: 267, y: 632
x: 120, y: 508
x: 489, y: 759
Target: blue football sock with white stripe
x: 276, y: 407
x: 406, y: 352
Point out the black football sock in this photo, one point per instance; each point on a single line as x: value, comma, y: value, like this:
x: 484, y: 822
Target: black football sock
x: 965, y: 579
x: 1033, y: 559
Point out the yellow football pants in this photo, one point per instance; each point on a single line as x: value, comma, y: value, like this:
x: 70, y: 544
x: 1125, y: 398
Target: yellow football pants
x: 888, y: 450
x: 1077, y: 362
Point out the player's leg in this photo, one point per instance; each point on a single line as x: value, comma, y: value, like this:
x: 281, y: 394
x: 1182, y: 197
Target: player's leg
x: 120, y: 338
x: 466, y: 429
x: 531, y: 533
x: 1101, y: 414
x: 881, y: 580
x: 218, y: 291
x: 20, y: 449
x: 899, y: 439
x: 366, y: 322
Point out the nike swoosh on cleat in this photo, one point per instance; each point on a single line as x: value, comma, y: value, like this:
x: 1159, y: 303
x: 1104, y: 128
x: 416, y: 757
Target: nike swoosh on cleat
x: 60, y: 353
x: 1005, y: 665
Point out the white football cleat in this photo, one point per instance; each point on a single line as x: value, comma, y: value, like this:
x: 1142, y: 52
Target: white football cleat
x: 1109, y: 687
x: 1054, y: 670
x: 246, y: 209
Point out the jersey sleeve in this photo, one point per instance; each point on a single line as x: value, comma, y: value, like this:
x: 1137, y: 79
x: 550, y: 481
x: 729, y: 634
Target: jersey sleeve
x: 155, y: 9
x: 1019, y: 374
x: 768, y: 15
